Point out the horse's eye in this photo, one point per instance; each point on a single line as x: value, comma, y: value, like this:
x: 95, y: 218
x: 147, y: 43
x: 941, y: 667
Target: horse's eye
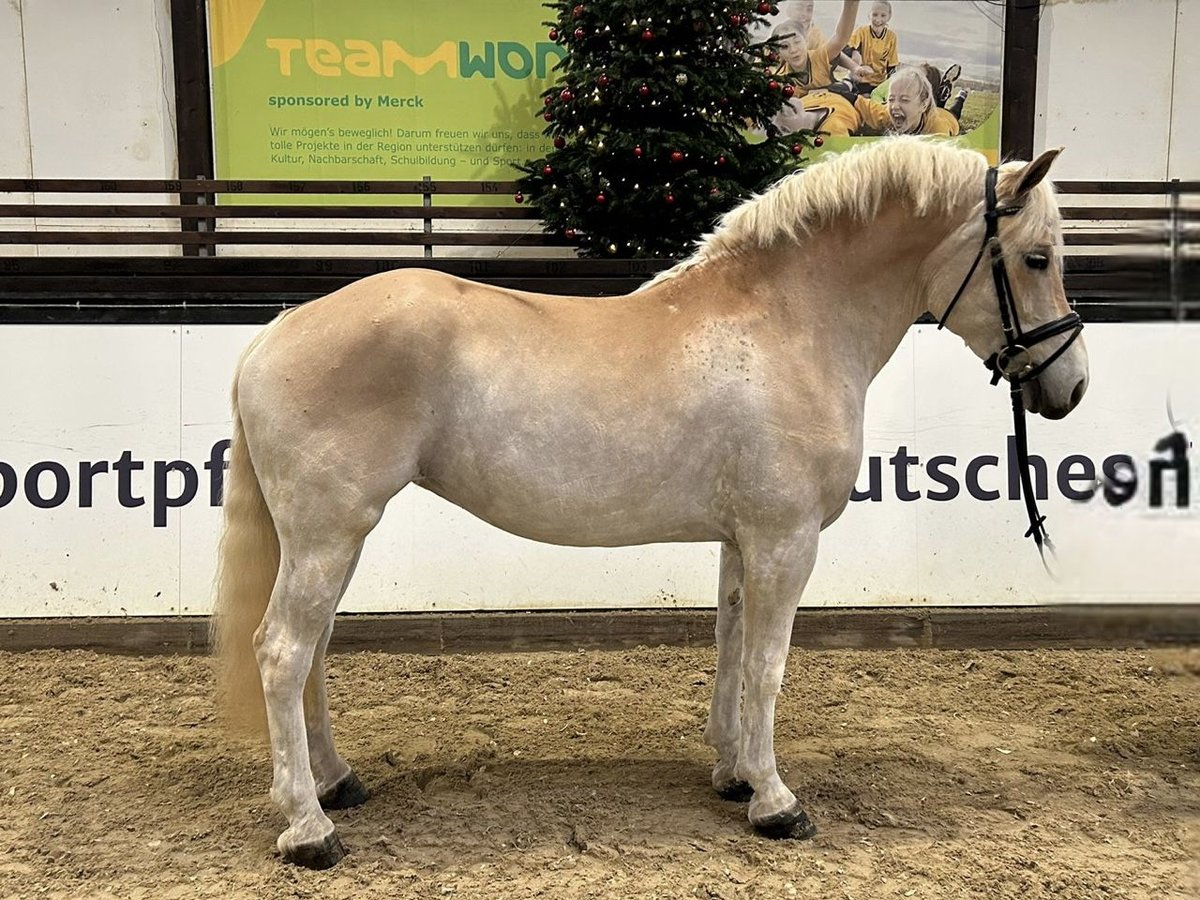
x: 1037, y: 260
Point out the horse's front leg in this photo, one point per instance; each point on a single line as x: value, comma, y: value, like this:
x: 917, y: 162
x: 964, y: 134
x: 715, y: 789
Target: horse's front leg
x: 724, y: 729
x: 776, y: 571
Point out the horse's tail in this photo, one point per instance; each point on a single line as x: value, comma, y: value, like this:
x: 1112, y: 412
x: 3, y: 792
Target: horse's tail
x: 247, y: 565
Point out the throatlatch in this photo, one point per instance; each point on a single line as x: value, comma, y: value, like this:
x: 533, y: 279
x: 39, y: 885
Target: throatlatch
x: 1013, y: 360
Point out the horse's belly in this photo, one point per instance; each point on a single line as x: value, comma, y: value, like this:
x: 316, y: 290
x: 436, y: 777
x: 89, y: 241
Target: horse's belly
x: 582, y: 508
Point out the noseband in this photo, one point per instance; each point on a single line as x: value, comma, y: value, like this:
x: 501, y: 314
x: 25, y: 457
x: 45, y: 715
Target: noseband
x: 1013, y: 360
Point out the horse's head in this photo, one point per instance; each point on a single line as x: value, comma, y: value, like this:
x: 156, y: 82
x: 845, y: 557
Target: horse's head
x: 1012, y: 309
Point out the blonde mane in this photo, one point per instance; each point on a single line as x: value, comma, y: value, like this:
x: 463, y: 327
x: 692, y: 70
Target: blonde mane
x: 929, y: 177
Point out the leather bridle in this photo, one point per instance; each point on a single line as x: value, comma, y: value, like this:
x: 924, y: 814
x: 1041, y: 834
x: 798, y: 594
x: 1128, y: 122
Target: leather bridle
x: 1012, y: 361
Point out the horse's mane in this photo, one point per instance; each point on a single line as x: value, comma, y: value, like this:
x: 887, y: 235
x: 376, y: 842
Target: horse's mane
x: 930, y: 177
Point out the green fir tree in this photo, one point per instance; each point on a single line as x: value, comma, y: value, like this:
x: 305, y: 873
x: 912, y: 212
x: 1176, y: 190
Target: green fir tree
x: 650, y: 121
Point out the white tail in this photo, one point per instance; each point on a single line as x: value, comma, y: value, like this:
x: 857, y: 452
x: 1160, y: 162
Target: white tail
x: 247, y: 565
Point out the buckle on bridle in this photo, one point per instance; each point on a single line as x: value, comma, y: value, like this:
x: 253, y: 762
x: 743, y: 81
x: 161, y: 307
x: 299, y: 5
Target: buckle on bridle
x: 1010, y: 362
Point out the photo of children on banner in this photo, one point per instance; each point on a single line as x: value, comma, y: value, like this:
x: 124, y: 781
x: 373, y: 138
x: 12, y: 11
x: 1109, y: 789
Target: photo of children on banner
x: 812, y: 62
x: 911, y: 108
x: 863, y: 88
x: 873, y: 51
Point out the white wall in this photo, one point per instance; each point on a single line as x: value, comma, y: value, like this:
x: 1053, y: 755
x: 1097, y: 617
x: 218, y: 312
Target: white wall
x: 1117, y: 87
x: 87, y: 394
x: 97, y: 83
x: 86, y: 91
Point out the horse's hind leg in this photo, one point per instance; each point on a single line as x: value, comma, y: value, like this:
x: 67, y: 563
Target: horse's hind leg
x: 337, y: 786
x: 312, y: 572
x: 724, y: 729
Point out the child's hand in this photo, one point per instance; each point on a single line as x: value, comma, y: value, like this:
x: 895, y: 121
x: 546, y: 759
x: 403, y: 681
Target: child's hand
x: 862, y: 73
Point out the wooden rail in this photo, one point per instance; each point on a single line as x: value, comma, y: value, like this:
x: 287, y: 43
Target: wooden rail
x: 949, y: 628
x: 193, y: 250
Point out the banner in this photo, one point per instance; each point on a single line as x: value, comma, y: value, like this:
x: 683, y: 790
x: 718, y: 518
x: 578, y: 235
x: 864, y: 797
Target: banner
x: 929, y: 67
x: 374, y: 89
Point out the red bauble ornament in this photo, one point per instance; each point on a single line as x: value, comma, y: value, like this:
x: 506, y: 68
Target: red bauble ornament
x: 818, y: 141
x: 579, y: 34
x: 764, y: 8
x: 797, y: 149
x: 773, y: 84
x: 601, y: 198
x: 547, y: 170
x: 637, y: 151
x: 602, y: 81
x: 714, y: 192
x: 670, y: 198
x: 789, y: 91
x: 518, y: 198
x: 548, y: 116
x: 560, y: 142
x: 735, y: 19
x: 577, y: 11
x: 644, y: 90
x: 721, y: 160
x: 566, y: 96
x: 547, y: 100
x: 569, y: 234
x: 554, y: 34
x: 647, y: 35
x: 676, y: 156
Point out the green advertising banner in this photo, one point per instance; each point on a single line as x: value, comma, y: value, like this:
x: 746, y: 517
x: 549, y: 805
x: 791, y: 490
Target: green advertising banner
x: 402, y: 89
x: 378, y: 89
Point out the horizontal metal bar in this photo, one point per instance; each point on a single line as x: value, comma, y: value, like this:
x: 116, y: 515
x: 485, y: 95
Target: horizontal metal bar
x: 202, y: 211
x: 295, y: 238
x: 242, y: 186
x: 1127, y: 187
x: 1116, y: 238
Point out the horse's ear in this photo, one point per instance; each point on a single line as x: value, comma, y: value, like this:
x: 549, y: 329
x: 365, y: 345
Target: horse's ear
x: 1033, y: 173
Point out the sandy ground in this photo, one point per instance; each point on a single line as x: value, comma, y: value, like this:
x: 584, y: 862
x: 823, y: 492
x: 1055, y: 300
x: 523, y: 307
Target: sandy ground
x: 929, y: 773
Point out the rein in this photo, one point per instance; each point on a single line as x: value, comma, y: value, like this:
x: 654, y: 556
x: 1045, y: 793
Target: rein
x: 1012, y: 361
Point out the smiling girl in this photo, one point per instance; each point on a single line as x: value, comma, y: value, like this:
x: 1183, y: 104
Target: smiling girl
x: 813, y: 65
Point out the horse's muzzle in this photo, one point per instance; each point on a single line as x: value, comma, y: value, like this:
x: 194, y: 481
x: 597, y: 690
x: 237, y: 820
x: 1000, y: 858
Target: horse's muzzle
x: 1041, y: 401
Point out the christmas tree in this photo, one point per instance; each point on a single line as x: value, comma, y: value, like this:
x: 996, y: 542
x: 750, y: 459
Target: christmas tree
x: 649, y: 121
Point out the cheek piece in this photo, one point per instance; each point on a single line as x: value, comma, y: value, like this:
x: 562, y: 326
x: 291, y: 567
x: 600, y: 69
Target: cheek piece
x: 1013, y: 360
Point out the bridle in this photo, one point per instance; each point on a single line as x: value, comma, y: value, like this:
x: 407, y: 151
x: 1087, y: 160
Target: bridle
x: 1012, y: 361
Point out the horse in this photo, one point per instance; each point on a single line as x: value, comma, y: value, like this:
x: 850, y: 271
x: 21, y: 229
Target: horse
x: 721, y: 401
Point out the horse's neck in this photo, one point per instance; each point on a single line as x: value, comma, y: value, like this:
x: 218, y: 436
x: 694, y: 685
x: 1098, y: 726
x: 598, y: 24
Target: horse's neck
x: 856, y: 290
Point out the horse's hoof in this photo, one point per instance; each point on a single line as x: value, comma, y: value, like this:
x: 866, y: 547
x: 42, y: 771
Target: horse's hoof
x: 346, y: 794
x: 324, y: 854
x: 792, y: 823
x: 736, y: 790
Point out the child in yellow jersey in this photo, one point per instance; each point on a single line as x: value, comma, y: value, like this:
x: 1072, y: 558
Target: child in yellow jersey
x: 801, y: 12
x: 812, y: 65
x: 876, y: 49
x: 910, y: 110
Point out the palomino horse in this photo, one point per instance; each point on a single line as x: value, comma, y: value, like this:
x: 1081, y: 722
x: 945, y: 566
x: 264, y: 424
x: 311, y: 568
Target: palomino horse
x: 723, y: 401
